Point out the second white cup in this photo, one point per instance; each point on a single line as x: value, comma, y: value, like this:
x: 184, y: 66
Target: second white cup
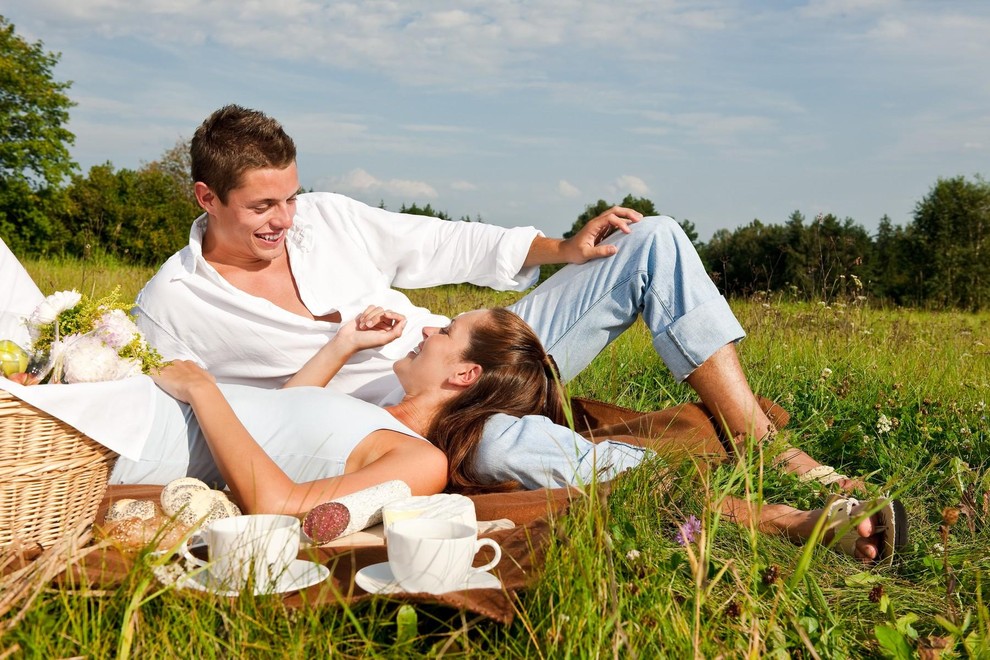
x: 253, y: 549
x: 435, y: 556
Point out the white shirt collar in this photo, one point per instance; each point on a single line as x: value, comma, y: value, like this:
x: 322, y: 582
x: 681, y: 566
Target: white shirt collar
x: 299, y: 239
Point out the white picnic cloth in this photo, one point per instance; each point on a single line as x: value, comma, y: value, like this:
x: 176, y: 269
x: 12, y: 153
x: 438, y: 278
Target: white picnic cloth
x: 116, y: 413
x: 19, y: 295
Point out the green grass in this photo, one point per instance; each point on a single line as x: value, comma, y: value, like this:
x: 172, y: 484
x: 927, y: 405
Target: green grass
x: 897, y: 395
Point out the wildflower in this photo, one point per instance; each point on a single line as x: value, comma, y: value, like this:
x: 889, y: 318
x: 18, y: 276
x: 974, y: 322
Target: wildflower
x: 950, y: 515
x: 858, y: 283
x: 77, y: 340
x: 633, y: 554
x: 86, y: 359
x: 687, y: 531
x: 876, y: 593
x: 826, y: 372
x: 771, y: 574
x: 883, y: 424
x: 938, y: 548
x: 116, y: 328
x: 49, y: 308
x: 169, y: 574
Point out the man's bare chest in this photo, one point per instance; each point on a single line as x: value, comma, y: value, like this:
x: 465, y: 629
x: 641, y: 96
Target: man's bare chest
x: 279, y: 288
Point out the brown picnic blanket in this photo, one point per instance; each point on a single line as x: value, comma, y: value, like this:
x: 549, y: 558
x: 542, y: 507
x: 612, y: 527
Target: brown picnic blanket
x: 686, y: 429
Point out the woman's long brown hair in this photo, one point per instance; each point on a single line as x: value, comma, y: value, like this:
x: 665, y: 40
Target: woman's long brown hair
x: 517, y: 377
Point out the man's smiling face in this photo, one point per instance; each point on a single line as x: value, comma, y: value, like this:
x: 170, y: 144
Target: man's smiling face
x: 252, y: 224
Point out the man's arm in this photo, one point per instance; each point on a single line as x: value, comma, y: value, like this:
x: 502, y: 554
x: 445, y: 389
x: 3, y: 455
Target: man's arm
x: 584, y: 245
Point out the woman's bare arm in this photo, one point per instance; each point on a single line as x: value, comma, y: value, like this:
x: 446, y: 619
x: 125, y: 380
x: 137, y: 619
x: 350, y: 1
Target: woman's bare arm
x: 260, y: 485
x: 372, y: 328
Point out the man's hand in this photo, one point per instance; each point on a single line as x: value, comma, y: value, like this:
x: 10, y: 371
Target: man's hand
x: 586, y: 244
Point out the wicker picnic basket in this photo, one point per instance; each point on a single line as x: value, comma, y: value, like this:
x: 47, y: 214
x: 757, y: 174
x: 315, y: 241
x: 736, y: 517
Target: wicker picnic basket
x: 52, y: 477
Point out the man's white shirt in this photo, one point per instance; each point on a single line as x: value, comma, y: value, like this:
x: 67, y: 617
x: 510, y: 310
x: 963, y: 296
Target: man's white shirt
x: 344, y: 256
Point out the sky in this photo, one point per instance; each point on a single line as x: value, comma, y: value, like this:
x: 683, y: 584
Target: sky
x: 524, y: 112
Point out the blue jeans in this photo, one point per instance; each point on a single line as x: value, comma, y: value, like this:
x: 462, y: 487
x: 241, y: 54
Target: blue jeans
x: 656, y: 273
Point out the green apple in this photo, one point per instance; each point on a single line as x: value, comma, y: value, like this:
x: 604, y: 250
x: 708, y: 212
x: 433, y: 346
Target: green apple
x: 13, y: 358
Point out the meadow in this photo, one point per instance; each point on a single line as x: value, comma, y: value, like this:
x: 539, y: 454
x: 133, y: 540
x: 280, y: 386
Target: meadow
x: 896, y: 396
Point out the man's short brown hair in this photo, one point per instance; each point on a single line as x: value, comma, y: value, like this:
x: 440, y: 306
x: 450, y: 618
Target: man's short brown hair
x: 234, y: 140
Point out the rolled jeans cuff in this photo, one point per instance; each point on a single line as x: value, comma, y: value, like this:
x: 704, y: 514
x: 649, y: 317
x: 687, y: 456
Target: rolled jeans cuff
x: 694, y: 337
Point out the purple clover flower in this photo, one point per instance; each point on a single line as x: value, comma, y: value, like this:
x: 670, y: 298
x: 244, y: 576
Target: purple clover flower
x: 687, y: 531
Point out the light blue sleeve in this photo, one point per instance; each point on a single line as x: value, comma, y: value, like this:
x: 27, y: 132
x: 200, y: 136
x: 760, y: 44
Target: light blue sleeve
x: 537, y: 453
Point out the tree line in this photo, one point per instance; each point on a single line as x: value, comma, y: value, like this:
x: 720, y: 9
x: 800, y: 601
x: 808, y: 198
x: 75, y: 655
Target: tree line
x: 941, y: 259
x: 49, y: 208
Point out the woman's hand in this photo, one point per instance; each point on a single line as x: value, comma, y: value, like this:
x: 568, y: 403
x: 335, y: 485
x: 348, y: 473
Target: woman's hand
x: 182, y: 378
x: 23, y: 378
x: 374, y: 327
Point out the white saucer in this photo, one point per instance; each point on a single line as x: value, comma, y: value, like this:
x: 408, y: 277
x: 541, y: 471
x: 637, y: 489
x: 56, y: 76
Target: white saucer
x: 299, y: 575
x: 378, y: 579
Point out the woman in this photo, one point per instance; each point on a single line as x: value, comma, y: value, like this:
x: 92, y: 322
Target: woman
x: 486, y: 364
x: 288, y: 450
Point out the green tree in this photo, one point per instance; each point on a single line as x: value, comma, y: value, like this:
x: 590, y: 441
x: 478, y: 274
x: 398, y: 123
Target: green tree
x: 952, y: 235
x: 176, y: 164
x: 424, y: 210
x: 823, y: 260
x: 140, y: 216
x: 34, y: 143
x: 749, y: 259
x: 895, y: 273
x: 641, y: 204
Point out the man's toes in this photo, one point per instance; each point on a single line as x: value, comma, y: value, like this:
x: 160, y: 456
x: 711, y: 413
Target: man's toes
x: 867, y: 548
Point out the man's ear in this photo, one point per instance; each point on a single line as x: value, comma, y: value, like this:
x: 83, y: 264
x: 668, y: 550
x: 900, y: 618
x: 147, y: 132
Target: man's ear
x: 205, y: 196
x: 467, y: 374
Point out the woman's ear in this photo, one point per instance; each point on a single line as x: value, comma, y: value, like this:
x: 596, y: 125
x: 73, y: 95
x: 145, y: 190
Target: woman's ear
x: 466, y: 375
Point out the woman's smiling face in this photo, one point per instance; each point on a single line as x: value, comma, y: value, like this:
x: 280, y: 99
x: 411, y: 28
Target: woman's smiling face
x: 439, y: 356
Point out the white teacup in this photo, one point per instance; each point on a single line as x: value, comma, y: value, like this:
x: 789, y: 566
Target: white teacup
x: 253, y: 549
x: 443, y: 506
x: 435, y: 556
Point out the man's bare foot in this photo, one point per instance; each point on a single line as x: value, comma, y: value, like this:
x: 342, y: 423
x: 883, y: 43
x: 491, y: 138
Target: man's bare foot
x: 799, y: 463
x: 799, y: 526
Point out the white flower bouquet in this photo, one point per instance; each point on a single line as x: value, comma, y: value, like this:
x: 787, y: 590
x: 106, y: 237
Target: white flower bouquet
x: 79, y: 340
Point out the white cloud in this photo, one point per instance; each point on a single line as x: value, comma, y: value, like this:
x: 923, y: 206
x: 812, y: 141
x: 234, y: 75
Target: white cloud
x: 448, y: 43
x: 707, y: 127
x: 629, y: 184
x: 359, y: 181
x: 567, y: 189
x: 463, y: 185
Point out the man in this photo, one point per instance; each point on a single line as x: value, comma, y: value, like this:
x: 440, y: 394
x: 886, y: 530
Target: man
x: 269, y: 274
